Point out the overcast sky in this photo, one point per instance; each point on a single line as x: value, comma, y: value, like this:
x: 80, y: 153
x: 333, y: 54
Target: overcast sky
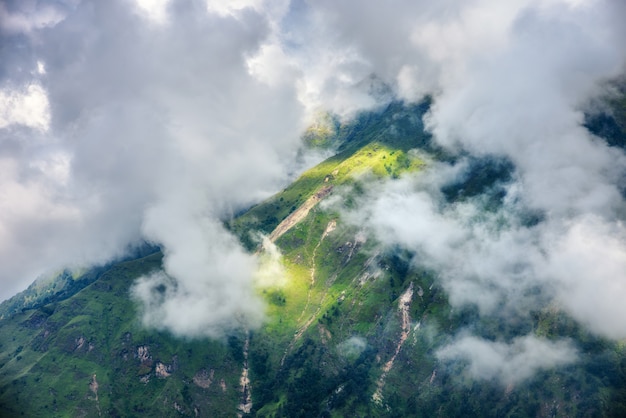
x: 152, y: 119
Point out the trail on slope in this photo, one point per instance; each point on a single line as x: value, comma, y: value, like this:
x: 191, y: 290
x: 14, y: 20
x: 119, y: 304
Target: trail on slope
x: 299, y: 214
x: 403, y: 305
x: 329, y: 228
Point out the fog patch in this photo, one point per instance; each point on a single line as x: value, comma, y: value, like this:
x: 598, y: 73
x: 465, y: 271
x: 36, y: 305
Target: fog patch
x: 206, y: 286
x: 352, y: 347
x: 271, y: 271
x: 507, y: 363
x: 514, y: 89
x: 173, y: 141
x: 588, y: 260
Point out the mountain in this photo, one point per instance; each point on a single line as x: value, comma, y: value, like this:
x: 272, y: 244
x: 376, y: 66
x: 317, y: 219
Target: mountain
x: 353, y: 326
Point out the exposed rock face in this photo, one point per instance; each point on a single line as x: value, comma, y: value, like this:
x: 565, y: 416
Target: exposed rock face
x: 93, y: 386
x: 404, y: 303
x: 300, y: 213
x: 162, y: 370
x: 143, y: 353
x: 244, y: 381
x: 204, y: 378
x: 80, y: 342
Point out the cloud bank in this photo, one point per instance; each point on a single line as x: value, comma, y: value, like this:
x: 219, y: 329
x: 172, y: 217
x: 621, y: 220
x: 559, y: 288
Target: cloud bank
x: 119, y: 126
x: 122, y: 121
x: 507, y: 80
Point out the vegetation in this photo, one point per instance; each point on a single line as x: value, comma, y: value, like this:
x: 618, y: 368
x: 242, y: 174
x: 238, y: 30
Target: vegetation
x: 50, y: 355
x: 383, y: 144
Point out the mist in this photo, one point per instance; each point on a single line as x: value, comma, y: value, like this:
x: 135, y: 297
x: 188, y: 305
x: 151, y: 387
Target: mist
x: 154, y: 120
x: 121, y: 126
x: 504, y: 363
x: 508, y: 81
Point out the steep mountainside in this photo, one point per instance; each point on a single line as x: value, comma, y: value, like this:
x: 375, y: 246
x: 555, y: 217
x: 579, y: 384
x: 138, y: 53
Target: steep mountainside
x: 352, y: 326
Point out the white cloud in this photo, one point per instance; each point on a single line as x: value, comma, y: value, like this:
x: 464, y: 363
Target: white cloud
x: 352, y: 347
x: 208, y: 287
x: 28, y: 106
x: 231, y: 8
x: 41, y: 68
x: 509, y: 80
x: 131, y: 131
x: 508, y: 363
x: 270, y: 272
x: 151, y: 133
x: 272, y: 66
x: 494, y: 261
x: 154, y: 10
x: 588, y: 261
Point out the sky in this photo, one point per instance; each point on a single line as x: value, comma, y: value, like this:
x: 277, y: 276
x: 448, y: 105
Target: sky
x: 131, y: 120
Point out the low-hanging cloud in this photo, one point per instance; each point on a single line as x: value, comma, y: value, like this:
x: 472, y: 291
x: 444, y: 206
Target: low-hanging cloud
x: 487, y: 259
x: 150, y: 129
x: 271, y: 272
x: 507, y: 363
x: 153, y: 120
x: 511, y: 80
x: 587, y: 260
x: 205, y: 288
x: 352, y: 347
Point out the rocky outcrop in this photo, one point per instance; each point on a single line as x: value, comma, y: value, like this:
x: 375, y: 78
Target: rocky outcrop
x: 204, y: 378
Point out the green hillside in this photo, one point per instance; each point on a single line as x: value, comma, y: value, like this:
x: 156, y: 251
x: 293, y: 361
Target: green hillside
x: 88, y: 355
x: 352, y: 327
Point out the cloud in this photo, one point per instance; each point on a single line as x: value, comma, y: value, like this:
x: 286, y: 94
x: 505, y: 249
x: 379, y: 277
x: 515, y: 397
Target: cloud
x: 496, y: 261
x: 507, y: 80
x: 507, y: 363
x: 484, y: 258
x: 153, y: 10
x: 24, y: 17
x: 271, y: 272
x: 205, y: 289
x: 154, y: 132
x: 155, y: 119
x: 352, y: 347
x: 29, y: 108
x: 117, y: 117
x: 524, y: 102
x: 588, y: 260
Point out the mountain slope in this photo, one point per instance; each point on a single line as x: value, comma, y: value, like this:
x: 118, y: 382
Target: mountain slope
x: 88, y: 355
x: 352, y: 326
